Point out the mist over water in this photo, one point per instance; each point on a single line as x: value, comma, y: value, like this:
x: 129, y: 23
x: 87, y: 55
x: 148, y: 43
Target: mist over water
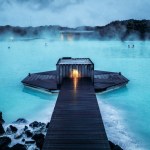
x: 125, y: 111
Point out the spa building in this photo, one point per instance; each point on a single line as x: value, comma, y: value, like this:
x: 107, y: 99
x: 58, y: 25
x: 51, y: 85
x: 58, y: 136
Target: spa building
x: 68, y: 67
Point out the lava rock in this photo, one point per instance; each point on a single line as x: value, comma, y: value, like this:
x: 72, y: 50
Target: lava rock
x: 19, y: 147
x: 20, y: 120
x: 2, y: 131
x: 6, y: 148
x: 25, y: 128
x: 29, y: 142
x: 39, y: 139
x: 43, y: 125
x: 36, y: 124
x: 28, y: 133
x: 4, y: 142
x: 23, y: 140
x: 13, y: 129
x: 114, y: 147
x: 1, y: 118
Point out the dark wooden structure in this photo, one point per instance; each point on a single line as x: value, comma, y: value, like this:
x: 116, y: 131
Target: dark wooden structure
x: 43, y: 80
x: 82, y: 67
x: 76, y: 121
x: 47, y: 81
x: 67, y: 65
x: 104, y: 80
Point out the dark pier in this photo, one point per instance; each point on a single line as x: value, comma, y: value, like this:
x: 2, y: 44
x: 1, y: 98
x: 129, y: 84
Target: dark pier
x: 76, y: 122
x: 103, y: 80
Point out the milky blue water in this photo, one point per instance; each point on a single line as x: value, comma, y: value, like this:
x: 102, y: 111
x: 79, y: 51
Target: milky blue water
x: 125, y: 111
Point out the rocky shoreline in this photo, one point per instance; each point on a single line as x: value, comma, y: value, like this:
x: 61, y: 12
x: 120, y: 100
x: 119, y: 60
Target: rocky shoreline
x: 22, y: 135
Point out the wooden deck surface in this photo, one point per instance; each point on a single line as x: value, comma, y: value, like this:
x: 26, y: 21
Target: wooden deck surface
x: 102, y: 80
x: 42, y: 80
x: 76, y: 121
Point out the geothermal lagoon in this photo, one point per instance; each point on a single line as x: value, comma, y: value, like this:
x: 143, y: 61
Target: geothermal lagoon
x: 125, y: 111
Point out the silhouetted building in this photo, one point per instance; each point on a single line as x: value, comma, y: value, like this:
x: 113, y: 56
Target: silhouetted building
x: 74, y: 68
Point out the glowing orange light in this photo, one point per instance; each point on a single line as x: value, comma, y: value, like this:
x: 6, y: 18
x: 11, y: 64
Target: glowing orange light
x: 75, y: 73
x: 75, y: 82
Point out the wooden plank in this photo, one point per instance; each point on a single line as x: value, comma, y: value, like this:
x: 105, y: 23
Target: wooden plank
x: 76, y: 122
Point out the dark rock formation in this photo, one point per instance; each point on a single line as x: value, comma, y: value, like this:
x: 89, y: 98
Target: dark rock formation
x: 39, y: 139
x: 6, y: 148
x: 13, y: 129
x: 19, y: 147
x: 4, y: 142
x: 36, y: 124
x: 20, y: 120
x: 29, y: 142
x: 25, y: 128
x: 2, y: 131
x: 1, y: 118
x: 23, y: 140
x: 28, y: 133
x: 36, y: 135
x: 114, y: 147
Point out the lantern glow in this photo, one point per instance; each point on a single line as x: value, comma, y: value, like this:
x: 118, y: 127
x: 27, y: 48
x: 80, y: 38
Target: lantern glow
x: 75, y: 73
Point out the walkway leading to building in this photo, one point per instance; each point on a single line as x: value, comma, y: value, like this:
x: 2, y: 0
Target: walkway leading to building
x: 76, y: 122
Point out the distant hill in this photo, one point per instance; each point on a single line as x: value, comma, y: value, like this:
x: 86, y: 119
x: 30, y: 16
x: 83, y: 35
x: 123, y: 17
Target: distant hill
x: 117, y: 30
x: 126, y: 30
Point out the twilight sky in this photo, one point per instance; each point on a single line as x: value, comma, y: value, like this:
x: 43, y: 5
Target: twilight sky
x: 71, y: 13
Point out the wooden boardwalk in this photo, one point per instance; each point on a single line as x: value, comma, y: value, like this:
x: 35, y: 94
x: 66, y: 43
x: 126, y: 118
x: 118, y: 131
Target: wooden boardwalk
x: 76, y: 122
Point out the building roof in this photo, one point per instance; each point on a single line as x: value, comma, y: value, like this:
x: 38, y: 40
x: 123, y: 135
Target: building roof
x: 70, y: 61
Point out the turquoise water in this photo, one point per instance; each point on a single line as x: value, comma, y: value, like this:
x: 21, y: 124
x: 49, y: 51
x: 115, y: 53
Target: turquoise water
x: 125, y: 111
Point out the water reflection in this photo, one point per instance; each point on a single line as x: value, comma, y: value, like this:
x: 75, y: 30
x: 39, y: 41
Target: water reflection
x: 75, y: 83
x: 75, y: 76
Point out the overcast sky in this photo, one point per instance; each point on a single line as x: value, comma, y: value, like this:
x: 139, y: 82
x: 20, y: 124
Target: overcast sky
x: 71, y: 13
